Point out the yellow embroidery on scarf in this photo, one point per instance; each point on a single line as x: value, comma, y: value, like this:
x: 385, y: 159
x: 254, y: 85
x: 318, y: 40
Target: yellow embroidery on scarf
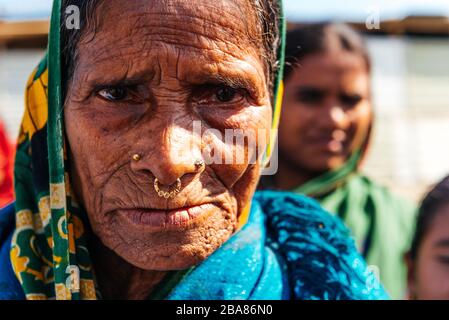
x: 87, y: 289
x: 36, y: 296
x: 244, y: 216
x: 24, y: 219
x: 20, y: 265
x: 62, y: 292
x: 36, y: 106
x: 275, y: 124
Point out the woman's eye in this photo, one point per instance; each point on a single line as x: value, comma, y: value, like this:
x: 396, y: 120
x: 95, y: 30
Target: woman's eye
x: 443, y: 260
x: 221, y: 94
x: 226, y: 94
x: 114, y: 93
x: 311, y: 96
x: 350, y: 100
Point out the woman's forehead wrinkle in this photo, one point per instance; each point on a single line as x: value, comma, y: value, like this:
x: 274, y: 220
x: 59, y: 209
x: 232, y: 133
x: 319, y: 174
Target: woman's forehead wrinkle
x: 175, y: 22
x: 211, y: 35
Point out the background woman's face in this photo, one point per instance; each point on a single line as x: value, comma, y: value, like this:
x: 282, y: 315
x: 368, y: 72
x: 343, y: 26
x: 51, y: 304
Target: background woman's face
x: 429, y: 275
x: 148, y: 72
x: 326, y: 112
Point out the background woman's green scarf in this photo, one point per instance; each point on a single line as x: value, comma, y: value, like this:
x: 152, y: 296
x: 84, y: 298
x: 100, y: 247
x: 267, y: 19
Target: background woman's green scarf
x: 49, y: 250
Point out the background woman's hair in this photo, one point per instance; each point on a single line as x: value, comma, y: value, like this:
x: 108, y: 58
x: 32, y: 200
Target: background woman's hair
x: 267, y: 11
x: 321, y: 38
x: 430, y: 206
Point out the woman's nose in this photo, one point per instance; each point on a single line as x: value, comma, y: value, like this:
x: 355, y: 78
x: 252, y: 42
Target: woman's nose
x: 336, y: 117
x: 175, y: 152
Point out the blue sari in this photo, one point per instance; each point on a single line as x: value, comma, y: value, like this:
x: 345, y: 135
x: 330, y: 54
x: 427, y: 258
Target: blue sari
x: 289, y: 249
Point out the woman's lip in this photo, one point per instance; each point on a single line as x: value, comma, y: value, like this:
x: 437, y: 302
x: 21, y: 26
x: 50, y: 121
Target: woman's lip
x: 327, y: 144
x: 180, y: 217
x: 334, y: 142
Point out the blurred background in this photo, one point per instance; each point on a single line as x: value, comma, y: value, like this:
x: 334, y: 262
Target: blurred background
x: 409, y: 45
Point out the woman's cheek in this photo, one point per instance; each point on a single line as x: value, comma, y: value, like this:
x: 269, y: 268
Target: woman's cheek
x: 219, y: 156
x: 229, y: 152
x: 237, y: 117
x: 360, y: 123
x: 363, y: 112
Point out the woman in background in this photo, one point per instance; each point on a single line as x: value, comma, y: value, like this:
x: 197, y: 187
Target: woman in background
x: 6, y: 185
x: 323, y: 137
x: 428, y: 259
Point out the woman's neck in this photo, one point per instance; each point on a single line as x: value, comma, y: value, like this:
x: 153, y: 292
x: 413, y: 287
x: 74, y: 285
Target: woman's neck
x: 117, y: 279
x: 289, y: 177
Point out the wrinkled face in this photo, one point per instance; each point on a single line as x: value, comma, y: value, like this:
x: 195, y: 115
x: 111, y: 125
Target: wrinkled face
x: 326, y: 112
x: 430, y: 272
x: 151, y: 72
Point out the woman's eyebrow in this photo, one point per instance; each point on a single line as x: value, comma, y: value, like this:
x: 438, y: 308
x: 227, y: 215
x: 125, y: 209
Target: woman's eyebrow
x: 234, y: 81
x: 101, y: 75
x: 442, y: 243
x: 307, y: 90
x: 248, y: 79
x: 126, y: 81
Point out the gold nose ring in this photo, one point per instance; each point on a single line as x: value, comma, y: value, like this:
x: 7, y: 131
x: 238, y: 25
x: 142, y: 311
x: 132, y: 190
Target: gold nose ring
x: 167, y: 194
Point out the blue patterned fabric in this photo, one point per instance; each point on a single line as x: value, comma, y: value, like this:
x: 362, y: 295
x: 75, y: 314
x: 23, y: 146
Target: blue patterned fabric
x: 289, y: 249
x: 320, y: 254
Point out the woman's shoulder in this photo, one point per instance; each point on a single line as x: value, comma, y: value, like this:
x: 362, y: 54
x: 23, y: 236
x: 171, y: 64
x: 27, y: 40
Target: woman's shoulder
x: 394, y: 206
x: 381, y: 190
x: 322, y: 259
x: 10, y: 288
x: 6, y: 222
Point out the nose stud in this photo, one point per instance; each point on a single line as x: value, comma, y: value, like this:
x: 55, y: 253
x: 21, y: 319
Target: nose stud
x: 137, y: 157
x: 199, y: 164
x: 167, y: 194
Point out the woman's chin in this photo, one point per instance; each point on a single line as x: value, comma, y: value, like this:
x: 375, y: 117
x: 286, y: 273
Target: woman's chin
x: 178, y: 261
x: 173, y: 256
x: 336, y: 162
x: 326, y: 162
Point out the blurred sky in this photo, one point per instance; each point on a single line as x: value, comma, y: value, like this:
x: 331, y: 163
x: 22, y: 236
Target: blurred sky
x: 303, y: 10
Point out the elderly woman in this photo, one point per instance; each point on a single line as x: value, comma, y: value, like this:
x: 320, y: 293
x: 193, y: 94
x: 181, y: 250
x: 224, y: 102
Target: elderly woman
x: 123, y: 203
x: 323, y: 138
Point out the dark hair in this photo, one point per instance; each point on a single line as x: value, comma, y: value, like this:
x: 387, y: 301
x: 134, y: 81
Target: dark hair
x: 267, y: 11
x: 436, y: 199
x: 320, y: 38
x: 71, y: 37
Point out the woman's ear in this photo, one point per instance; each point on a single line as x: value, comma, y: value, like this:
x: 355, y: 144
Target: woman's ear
x: 411, y: 282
